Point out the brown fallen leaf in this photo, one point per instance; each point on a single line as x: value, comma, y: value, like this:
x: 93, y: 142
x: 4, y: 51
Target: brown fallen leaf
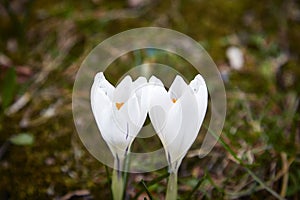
x: 77, y: 193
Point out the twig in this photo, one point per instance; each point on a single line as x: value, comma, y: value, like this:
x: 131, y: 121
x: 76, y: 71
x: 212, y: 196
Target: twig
x: 154, y: 181
x: 158, y: 179
x: 147, y: 191
x: 285, y: 179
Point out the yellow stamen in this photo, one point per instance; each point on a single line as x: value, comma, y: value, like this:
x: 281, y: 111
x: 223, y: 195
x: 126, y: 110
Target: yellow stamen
x: 119, y: 105
x: 174, y: 100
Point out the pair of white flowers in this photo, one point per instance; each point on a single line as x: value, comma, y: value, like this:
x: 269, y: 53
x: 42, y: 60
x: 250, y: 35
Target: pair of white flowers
x: 176, y: 114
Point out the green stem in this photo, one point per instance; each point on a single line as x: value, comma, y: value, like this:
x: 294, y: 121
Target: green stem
x: 117, y: 185
x: 126, y: 169
x: 172, y: 187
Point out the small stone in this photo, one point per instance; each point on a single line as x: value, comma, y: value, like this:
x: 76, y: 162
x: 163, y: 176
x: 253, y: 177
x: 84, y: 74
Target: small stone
x: 235, y: 57
x: 50, y: 161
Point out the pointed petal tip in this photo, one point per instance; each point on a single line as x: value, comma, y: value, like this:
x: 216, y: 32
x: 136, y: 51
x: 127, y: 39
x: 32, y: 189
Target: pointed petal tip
x: 127, y: 77
x: 178, y: 87
x: 156, y: 81
x: 99, y: 76
x: 200, y: 79
x: 153, y: 78
x: 178, y: 80
x: 127, y: 80
x: 197, y: 83
x: 178, y: 77
x: 139, y: 83
x: 141, y: 79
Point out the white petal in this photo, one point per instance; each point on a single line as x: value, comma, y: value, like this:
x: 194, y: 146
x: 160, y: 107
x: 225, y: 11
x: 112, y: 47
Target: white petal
x: 99, y: 97
x: 123, y: 90
x: 173, y: 124
x: 138, y: 84
x: 177, y: 88
x: 155, y: 81
x: 159, y: 95
x: 104, y: 85
x: 189, y: 126
x: 126, y: 119
x: 110, y: 131
x: 140, y: 89
x: 200, y: 90
x: 159, y: 104
x: 177, y: 124
x: 111, y: 123
x: 197, y: 83
x: 113, y: 134
x: 134, y: 112
x: 188, y: 130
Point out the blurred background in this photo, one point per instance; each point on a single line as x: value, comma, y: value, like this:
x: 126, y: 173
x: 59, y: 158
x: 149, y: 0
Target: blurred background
x: 255, y: 45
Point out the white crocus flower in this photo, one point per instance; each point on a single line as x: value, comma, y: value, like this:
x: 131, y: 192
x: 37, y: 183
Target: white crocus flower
x: 177, y: 116
x: 120, y: 114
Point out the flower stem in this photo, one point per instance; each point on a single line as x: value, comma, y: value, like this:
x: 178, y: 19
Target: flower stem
x: 125, y: 176
x: 117, y: 185
x: 172, y: 187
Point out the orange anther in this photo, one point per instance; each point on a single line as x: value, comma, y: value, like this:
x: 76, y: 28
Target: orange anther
x: 119, y: 105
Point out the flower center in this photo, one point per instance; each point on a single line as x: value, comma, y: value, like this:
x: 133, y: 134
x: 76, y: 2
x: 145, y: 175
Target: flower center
x: 119, y: 105
x: 174, y: 100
